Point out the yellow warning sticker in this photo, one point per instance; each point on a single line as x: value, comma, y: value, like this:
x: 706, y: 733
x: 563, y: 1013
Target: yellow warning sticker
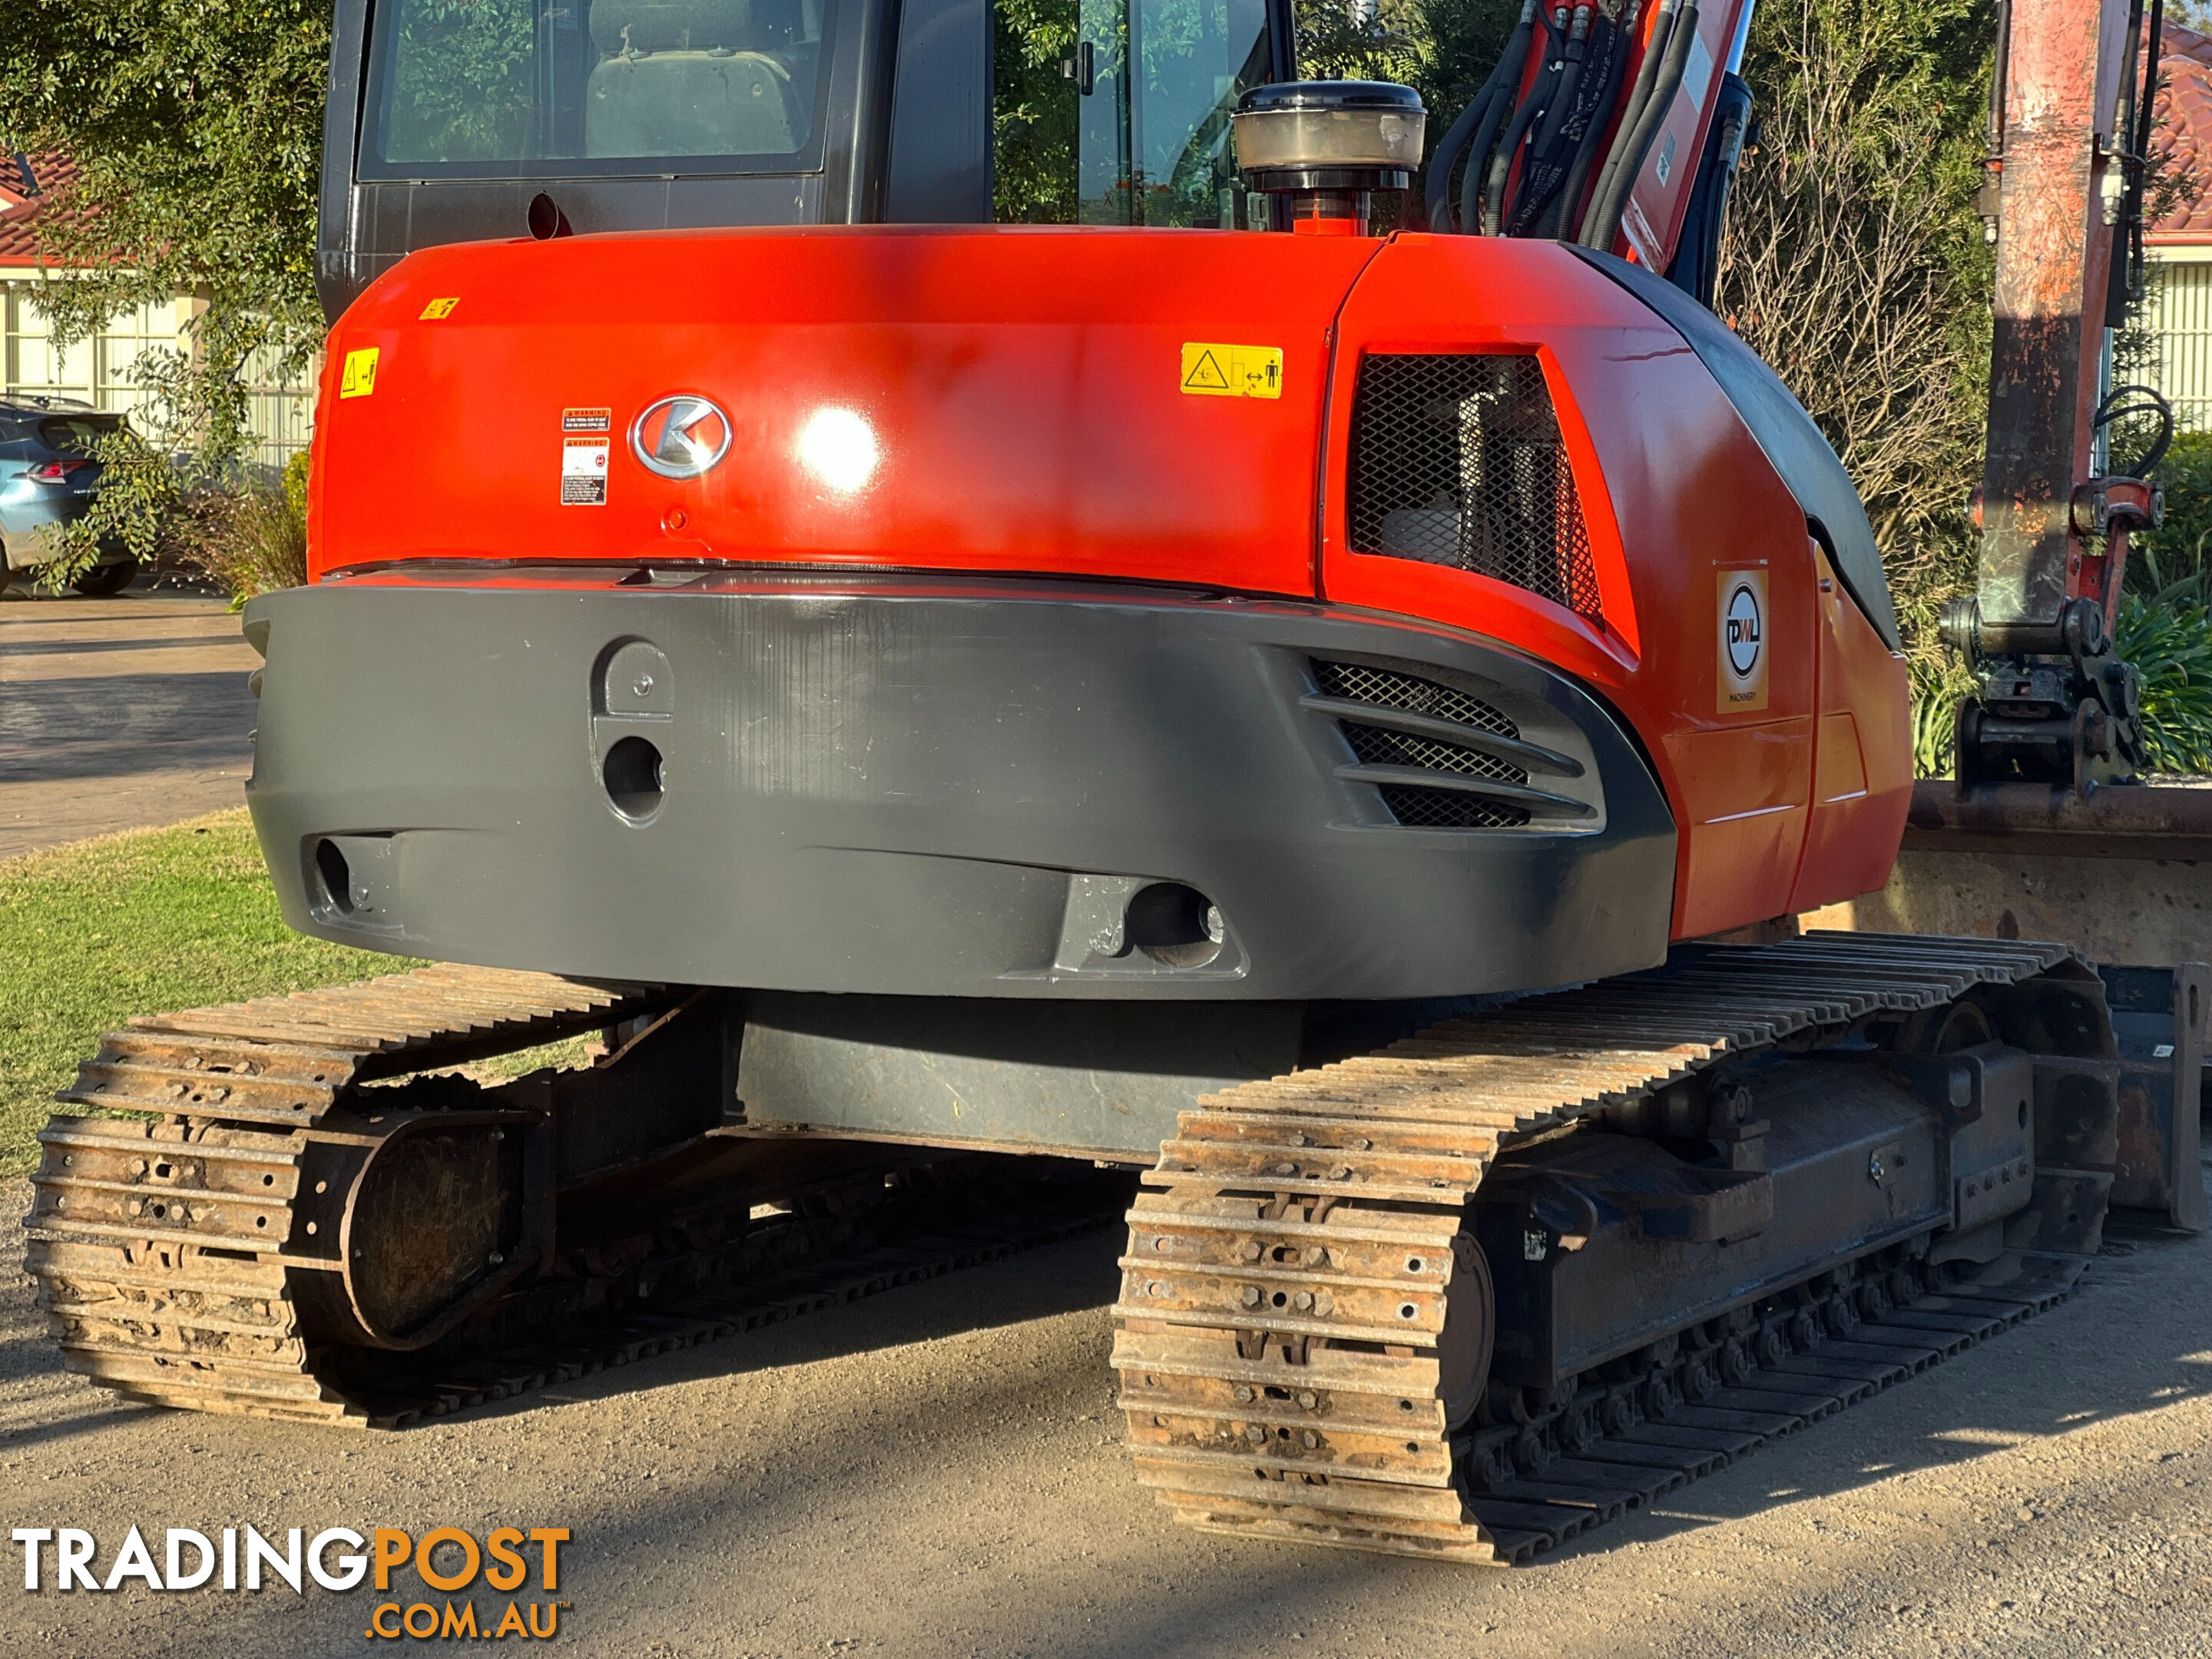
x: 358, y: 378
x: 438, y: 310
x: 1213, y: 370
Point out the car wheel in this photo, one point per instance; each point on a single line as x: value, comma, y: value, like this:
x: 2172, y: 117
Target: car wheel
x: 104, y: 581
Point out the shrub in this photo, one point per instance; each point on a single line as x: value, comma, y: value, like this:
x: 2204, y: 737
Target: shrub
x: 253, y: 538
x: 2168, y: 637
x: 2175, y: 551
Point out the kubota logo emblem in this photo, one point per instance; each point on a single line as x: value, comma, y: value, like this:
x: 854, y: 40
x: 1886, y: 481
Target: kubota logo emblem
x: 680, y: 437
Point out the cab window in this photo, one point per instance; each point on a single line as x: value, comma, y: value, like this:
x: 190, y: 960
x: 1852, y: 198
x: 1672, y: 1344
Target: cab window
x: 1116, y: 112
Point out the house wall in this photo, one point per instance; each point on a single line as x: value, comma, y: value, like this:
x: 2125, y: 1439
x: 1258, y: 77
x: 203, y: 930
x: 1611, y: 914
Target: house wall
x: 2178, y: 316
x: 100, y: 371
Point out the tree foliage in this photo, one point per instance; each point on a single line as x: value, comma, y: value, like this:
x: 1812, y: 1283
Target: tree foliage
x: 1855, y: 264
x: 196, y: 130
x: 196, y: 127
x: 1444, y: 49
x: 1033, y: 121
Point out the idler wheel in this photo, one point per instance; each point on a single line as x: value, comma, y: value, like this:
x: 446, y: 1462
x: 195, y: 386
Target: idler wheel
x: 1464, y: 1345
x: 422, y: 1211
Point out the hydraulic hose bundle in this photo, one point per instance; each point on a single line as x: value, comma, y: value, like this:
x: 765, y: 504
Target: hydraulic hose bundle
x: 1525, y: 157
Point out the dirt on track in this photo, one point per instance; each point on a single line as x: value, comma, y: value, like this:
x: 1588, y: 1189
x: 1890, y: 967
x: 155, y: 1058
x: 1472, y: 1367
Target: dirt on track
x: 939, y: 1471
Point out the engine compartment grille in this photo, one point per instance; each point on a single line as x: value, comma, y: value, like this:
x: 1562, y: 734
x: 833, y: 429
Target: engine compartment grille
x: 1456, y: 460
x: 1443, y: 809
x: 1386, y: 688
x: 1412, y: 804
x: 1380, y: 747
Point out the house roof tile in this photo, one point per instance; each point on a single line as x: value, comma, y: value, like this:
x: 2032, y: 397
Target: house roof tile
x: 29, y: 187
x: 2183, y: 132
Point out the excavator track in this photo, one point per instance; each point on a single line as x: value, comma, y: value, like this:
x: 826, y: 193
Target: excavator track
x: 168, y: 1252
x: 1292, y: 1257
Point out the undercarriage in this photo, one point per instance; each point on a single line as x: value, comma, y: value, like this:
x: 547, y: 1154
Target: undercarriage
x: 1463, y: 1295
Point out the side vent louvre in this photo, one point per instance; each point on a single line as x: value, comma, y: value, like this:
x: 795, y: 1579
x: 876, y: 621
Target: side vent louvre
x: 1456, y: 460
x: 1439, y: 758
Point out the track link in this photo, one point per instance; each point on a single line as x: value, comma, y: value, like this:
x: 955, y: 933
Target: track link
x: 1290, y: 1260
x: 165, y: 1250
x: 168, y: 1253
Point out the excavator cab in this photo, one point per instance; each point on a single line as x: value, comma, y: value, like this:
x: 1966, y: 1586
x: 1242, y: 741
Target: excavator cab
x: 451, y: 122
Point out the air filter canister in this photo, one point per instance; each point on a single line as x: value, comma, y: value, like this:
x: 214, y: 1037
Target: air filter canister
x: 1323, y: 148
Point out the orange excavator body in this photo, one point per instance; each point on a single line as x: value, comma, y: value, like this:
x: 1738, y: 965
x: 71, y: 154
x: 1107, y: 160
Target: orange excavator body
x: 1019, y: 401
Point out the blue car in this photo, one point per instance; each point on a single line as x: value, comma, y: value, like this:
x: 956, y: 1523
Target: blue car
x: 49, y: 476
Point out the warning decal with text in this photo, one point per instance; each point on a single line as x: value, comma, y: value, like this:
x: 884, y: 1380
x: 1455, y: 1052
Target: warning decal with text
x: 1213, y: 370
x: 584, y: 471
x: 357, y: 379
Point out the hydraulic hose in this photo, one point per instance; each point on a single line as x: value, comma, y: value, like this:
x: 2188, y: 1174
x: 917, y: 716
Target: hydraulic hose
x: 1540, y: 172
x: 1679, y: 42
x: 1436, y: 193
x: 1561, y: 212
x: 1482, y: 116
x: 1639, y: 95
x: 1562, y: 101
x: 1501, y: 163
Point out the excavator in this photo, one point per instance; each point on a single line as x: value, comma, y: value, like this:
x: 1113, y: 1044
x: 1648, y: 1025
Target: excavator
x: 1018, y: 635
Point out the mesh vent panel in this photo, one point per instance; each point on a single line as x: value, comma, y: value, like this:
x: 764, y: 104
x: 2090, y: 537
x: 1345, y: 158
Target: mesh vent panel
x: 1447, y: 809
x: 1379, y: 746
x: 1456, y: 460
x: 1357, y: 682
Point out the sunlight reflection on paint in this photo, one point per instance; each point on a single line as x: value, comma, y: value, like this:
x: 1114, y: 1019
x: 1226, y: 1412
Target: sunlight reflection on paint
x: 838, y: 447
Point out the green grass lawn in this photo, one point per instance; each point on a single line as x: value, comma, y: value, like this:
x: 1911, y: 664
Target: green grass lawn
x: 94, y: 932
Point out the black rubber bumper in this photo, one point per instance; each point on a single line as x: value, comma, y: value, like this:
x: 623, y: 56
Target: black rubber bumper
x: 988, y: 789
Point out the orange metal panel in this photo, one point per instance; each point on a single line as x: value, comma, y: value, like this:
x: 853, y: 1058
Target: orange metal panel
x: 1020, y: 398
x: 1742, y: 814
x: 1674, y: 490
x: 1863, y: 768
x: 1020, y: 390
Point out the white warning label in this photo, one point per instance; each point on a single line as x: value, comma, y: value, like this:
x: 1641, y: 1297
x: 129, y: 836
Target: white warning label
x: 584, y: 471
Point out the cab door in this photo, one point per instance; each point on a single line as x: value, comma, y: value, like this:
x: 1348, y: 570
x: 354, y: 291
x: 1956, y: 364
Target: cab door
x: 1116, y: 112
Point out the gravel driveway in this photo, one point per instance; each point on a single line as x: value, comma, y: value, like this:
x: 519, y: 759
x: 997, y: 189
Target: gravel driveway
x: 937, y: 1471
